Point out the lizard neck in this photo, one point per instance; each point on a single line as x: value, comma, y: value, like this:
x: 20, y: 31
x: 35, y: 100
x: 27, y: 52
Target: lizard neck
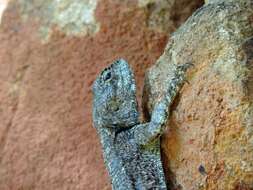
x: 107, y: 136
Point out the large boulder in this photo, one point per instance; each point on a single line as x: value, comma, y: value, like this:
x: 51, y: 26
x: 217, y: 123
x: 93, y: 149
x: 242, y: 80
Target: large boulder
x: 50, y: 53
x: 209, y: 141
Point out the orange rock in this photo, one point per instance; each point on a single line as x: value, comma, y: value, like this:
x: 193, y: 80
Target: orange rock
x: 215, y: 108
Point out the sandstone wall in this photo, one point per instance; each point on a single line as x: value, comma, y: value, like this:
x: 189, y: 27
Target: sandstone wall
x: 50, y: 53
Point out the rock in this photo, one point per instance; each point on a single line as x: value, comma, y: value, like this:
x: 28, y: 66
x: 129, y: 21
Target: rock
x: 209, y: 141
x: 50, y: 53
x: 3, y: 5
x: 166, y: 16
x: 71, y: 17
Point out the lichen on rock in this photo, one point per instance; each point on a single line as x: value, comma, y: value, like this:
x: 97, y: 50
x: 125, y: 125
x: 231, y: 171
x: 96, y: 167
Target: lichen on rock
x: 71, y: 17
x: 3, y: 5
x: 166, y: 16
x: 211, y: 126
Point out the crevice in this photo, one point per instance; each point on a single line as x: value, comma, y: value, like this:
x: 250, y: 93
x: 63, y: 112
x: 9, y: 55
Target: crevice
x: 5, y: 135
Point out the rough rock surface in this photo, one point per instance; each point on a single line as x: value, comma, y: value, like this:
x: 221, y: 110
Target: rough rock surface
x: 47, y: 67
x: 209, y: 142
x: 3, y: 4
x: 167, y: 15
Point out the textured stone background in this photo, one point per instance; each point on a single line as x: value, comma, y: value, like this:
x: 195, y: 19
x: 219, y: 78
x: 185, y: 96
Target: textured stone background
x: 3, y: 5
x: 209, y: 141
x: 50, y: 53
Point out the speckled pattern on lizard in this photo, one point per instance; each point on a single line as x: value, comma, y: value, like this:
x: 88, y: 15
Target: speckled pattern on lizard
x: 131, y: 149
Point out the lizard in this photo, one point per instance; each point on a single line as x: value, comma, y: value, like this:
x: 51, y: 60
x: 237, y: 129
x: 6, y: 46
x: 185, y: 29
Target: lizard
x: 131, y: 149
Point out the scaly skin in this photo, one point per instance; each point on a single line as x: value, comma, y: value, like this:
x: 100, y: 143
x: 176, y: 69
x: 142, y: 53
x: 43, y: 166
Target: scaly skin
x: 131, y: 150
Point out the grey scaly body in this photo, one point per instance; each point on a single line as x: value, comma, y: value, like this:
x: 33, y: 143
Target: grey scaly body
x: 131, y: 150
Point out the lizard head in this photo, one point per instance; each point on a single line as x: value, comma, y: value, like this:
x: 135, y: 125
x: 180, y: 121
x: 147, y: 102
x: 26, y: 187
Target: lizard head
x: 114, y: 97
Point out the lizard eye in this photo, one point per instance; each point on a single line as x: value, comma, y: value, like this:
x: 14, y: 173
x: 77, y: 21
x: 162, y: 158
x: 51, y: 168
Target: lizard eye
x: 108, y: 76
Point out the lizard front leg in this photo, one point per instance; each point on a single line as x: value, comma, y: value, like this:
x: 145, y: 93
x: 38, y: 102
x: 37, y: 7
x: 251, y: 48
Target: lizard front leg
x: 146, y: 133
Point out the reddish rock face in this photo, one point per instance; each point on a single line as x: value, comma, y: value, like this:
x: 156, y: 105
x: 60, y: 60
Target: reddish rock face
x: 46, y: 136
x: 209, y: 142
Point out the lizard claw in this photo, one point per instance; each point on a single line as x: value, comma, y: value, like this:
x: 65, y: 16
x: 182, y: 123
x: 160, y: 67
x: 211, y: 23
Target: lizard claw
x: 184, y: 67
x: 187, y: 81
